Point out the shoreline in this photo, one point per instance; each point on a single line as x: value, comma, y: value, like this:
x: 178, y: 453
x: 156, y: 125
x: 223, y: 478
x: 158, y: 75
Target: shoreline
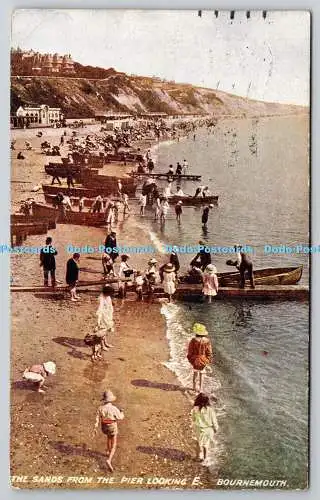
x: 155, y: 439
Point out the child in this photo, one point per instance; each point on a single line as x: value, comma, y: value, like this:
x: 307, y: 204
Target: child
x: 107, y: 264
x: 139, y: 281
x: 142, y: 203
x: 210, y: 282
x: 38, y: 373
x: 125, y: 272
x: 169, y: 280
x: 95, y: 341
x: 81, y: 204
x: 205, y: 424
x: 199, y: 353
x: 105, y: 314
x: 108, y: 416
x: 152, y: 276
x: 178, y: 210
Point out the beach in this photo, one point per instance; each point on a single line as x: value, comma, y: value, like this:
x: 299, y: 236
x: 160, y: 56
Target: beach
x: 147, y: 368
x: 51, y: 434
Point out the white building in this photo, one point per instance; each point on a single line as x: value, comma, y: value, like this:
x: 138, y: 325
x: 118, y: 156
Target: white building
x: 41, y: 115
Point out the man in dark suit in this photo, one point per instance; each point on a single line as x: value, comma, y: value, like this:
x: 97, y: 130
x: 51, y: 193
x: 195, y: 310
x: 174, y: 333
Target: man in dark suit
x: 48, y: 262
x: 72, y: 275
x: 111, y: 244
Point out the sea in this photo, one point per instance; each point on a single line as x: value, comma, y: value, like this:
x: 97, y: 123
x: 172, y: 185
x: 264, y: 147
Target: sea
x: 259, y: 167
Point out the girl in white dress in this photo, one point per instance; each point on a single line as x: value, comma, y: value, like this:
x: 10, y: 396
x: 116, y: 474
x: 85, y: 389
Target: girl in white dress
x: 210, y: 282
x: 169, y: 280
x: 205, y: 424
x: 105, y: 314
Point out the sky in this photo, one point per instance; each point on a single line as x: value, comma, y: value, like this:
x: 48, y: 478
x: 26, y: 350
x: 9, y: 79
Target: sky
x: 266, y: 59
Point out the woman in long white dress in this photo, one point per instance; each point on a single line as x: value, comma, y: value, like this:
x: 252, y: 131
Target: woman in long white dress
x: 205, y: 424
x: 169, y: 280
x: 105, y: 314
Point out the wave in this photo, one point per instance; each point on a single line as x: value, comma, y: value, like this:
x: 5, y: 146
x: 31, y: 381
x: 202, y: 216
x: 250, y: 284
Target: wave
x: 178, y: 335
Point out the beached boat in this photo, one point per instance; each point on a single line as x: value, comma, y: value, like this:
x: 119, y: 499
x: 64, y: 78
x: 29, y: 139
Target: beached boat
x: 70, y: 217
x: 123, y: 158
x: 88, y: 202
x: 266, y: 277
x: 30, y: 219
x: 93, y: 181
x: 78, y: 191
x: 159, y: 175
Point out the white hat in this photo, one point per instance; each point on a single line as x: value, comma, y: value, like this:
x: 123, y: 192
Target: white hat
x: 108, y: 397
x: 152, y: 261
x: 50, y: 367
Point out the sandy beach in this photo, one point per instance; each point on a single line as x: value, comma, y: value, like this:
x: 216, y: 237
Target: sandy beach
x: 51, y: 434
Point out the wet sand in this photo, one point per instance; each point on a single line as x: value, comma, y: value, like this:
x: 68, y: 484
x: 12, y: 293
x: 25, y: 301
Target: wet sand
x: 51, y: 434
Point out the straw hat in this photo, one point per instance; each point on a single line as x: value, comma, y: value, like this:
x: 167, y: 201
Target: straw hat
x: 50, y: 367
x: 211, y: 205
x: 108, y: 397
x: 210, y: 269
x: 200, y: 329
x: 169, y: 267
x: 180, y: 202
x: 152, y: 261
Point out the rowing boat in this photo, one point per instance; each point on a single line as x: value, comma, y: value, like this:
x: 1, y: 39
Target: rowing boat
x: 268, y: 276
x: 194, y: 201
x: 187, y: 293
x: 158, y: 175
x: 172, y: 200
x: 70, y: 217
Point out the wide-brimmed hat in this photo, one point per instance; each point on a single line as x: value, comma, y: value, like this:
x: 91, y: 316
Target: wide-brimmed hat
x: 210, y: 269
x: 169, y: 267
x: 108, y: 397
x: 50, y: 367
x: 152, y: 261
x: 211, y: 205
x: 180, y: 202
x: 200, y: 329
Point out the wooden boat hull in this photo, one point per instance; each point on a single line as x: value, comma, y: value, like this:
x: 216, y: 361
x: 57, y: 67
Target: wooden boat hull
x: 260, y: 292
x: 77, y: 192
x: 159, y: 175
x: 30, y: 219
x: 71, y: 217
x: 191, y: 201
x: 183, y: 292
x: 271, y: 276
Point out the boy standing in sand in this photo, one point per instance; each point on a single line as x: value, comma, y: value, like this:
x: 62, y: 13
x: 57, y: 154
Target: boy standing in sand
x: 108, y: 416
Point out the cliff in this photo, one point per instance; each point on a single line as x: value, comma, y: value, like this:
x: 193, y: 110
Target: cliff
x: 118, y: 92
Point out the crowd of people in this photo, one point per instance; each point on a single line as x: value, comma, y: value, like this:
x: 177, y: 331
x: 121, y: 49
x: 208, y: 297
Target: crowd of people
x: 118, y: 272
